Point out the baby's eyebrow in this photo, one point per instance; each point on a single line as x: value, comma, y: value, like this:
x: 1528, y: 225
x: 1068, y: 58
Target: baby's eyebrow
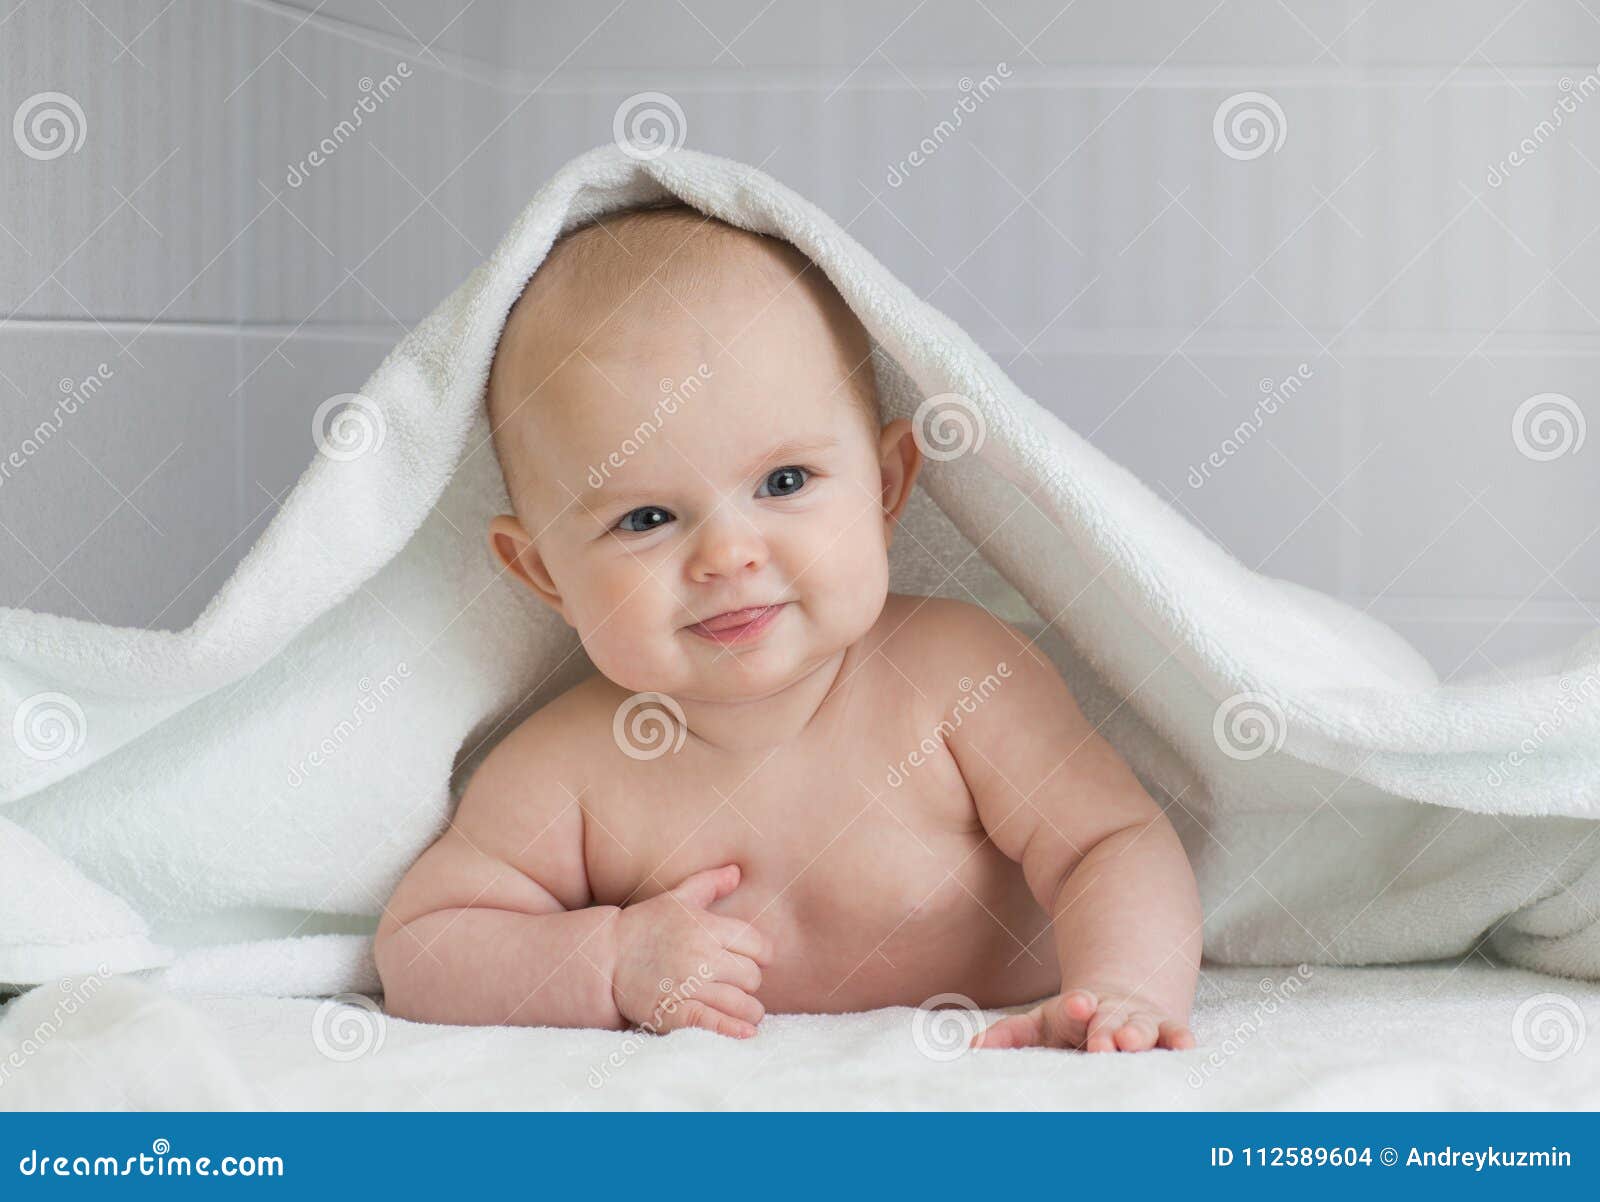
x: 790, y: 448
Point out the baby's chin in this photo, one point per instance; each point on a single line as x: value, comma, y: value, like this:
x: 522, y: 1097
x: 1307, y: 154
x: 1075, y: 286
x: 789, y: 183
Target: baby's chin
x: 703, y: 670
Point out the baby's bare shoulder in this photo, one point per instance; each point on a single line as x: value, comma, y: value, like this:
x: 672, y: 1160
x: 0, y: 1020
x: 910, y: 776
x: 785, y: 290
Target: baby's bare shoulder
x: 540, y: 768
x: 939, y: 639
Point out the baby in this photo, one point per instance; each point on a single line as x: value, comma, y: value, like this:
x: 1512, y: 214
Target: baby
x: 727, y: 819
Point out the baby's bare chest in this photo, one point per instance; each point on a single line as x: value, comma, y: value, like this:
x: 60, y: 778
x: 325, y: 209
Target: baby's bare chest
x: 798, y: 825
x: 871, y: 875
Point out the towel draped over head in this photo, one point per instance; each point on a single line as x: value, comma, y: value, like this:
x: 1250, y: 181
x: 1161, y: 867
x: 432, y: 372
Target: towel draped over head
x: 231, y: 804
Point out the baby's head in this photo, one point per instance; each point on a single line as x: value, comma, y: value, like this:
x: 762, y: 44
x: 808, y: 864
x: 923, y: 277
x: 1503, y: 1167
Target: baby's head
x: 688, y: 425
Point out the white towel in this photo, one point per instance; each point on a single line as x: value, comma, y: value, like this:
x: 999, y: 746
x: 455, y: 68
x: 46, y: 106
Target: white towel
x: 272, y: 770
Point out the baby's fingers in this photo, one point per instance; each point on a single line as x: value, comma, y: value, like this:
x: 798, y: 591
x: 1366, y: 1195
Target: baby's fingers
x: 739, y: 936
x: 698, y: 1014
x: 732, y: 1001
x: 738, y: 970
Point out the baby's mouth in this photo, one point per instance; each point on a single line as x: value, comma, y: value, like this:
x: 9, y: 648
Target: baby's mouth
x: 737, y: 625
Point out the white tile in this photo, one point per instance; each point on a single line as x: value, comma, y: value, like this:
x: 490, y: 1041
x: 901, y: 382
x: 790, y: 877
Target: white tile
x: 1272, y: 494
x: 124, y: 494
x: 1476, y: 32
x: 841, y: 35
x: 1458, y: 509
x: 373, y: 202
x: 137, y: 222
x: 1488, y: 647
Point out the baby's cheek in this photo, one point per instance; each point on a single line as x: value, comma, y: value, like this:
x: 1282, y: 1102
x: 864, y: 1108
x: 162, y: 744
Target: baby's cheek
x: 849, y: 572
x: 613, y: 623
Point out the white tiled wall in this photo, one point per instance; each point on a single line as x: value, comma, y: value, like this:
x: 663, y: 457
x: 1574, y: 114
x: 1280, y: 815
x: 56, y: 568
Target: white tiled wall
x: 1083, y: 222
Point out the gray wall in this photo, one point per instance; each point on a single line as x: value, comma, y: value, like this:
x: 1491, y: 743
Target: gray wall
x: 1084, y: 221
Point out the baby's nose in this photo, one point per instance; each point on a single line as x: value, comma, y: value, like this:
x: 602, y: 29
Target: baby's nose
x: 727, y: 546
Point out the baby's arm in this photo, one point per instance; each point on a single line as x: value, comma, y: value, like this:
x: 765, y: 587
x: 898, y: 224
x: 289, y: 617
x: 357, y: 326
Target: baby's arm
x: 1097, y: 852
x: 492, y: 924
x: 495, y: 924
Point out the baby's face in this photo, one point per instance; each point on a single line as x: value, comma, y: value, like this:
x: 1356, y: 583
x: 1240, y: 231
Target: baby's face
x: 677, y: 467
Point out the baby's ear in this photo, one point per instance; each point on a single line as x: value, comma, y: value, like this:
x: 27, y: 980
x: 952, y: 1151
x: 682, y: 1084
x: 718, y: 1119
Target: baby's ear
x: 511, y: 546
x: 900, y: 459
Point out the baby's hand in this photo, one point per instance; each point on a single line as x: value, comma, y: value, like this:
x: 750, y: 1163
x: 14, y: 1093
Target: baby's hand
x: 1106, y: 1020
x: 678, y: 965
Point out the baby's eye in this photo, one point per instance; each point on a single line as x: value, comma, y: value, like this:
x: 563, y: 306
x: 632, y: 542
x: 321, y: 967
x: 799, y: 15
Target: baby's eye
x: 784, y: 482
x: 644, y: 519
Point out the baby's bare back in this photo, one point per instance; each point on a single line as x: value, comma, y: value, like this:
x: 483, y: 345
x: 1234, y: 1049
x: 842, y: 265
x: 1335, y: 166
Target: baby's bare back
x: 861, y: 852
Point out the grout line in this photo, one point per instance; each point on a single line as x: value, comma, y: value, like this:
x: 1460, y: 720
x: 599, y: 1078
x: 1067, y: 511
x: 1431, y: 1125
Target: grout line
x: 1239, y: 342
x: 349, y: 331
x: 694, y: 78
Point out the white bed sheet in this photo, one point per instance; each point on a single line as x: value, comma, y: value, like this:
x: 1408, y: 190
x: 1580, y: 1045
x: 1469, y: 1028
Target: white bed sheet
x: 1466, y: 1036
